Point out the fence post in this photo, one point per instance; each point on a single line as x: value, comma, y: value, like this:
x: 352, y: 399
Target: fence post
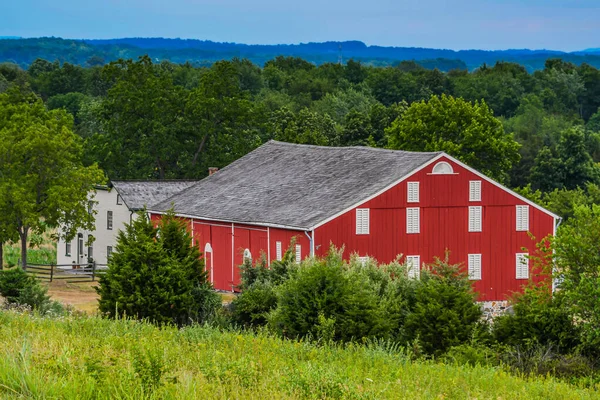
x: 93, y: 270
x: 51, y: 271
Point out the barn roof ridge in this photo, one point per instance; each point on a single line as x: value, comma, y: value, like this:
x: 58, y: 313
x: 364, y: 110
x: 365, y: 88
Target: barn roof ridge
x: 293, y: 185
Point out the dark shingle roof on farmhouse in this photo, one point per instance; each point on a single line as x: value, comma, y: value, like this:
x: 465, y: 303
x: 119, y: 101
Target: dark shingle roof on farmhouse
x: 137, y: 194
x: 293, y: 185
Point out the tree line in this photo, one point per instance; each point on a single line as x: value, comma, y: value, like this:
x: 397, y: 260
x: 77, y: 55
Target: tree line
x: 539, y: 132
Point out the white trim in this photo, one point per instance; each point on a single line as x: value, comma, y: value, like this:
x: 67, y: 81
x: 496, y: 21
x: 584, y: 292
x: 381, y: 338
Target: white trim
x: 443, y: 163
x: 378, y: 193
x: 474, y: 266
x: 522, y: 216
x: 493, y: 182
x: 415, y: 191
x: 268, y: 247
x: 265, y: 225
x: 413, y: 271
x: 416, y: 229
x: 475, y: 218
x: 312, y: 244
x: 519, y: 257
x: 474, y: 186
x: 232, y: 256
x: 363, y: 221
x: 278, y: 251
x: 298, y: 253
x: 388, y: 187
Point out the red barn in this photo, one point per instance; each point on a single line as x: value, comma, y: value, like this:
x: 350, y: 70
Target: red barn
x: 377, y: 203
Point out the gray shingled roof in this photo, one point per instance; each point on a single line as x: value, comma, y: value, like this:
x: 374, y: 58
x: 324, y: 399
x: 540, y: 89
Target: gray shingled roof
x: 293, y: 185
x: 137, y: 194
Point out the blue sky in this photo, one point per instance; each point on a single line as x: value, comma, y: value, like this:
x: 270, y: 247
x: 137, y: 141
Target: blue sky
x: 457, y: 24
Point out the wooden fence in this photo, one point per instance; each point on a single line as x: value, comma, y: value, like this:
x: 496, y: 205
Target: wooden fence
x: 66, y: 272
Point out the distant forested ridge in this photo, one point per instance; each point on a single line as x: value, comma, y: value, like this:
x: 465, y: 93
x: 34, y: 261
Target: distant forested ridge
x: 203, y: 52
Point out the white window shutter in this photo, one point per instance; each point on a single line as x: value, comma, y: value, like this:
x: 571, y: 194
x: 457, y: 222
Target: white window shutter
x: 413, y: 264
x: 363, y: 260
x: 298, y: 253
x: 412, y: 192
x: 413, y: 220
x: 475, y: 219
x: 475, y: 266
x: 475, y: 191
x: 522, y: 266
x: 362, y: 221
x: 522, y: 218
x: 278, y: 255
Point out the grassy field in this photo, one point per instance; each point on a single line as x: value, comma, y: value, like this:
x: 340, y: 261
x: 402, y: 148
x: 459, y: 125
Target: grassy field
x: 92, y: 358
x: 43, y: 253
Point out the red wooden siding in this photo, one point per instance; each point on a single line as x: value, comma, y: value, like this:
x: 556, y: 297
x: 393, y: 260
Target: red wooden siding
x: 444, y: 203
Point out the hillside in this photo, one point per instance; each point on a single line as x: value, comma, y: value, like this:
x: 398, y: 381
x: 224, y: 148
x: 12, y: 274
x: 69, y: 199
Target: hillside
x: 204, y: 52
x: 92, y: 358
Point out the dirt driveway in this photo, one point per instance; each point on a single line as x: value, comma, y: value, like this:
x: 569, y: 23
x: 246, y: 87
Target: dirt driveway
x: 81, y: 296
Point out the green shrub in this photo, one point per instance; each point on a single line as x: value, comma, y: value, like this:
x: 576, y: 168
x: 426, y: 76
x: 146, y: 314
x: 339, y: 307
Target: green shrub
x: 321, y: 287
x: 17, y: 287
x: 12, y: 283
x: 444, y: 313
x: 157, y: 274
x: 253, y: 305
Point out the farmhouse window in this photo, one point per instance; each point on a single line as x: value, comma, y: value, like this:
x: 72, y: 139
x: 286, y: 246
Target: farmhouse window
x: 90, y: 248
x: 108, y: 251
x: 522, y: 266
x: 475, y: 266
x: 278, y: 256
x: 109, y: 220
x: 362, y: 221
x: 474, y: 219
x: 68, y: 249
x: 90, y: 207
x: 475, y: 191
x: 413, y: 263
x: 412, y: 220
x: 298, y: 253
x: 119, y: 200
x: 413, y: 192
x: 522, y: 218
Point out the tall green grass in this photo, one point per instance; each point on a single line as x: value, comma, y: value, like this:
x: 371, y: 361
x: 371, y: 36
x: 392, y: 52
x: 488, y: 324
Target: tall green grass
x: 43, y: 255
x: 93, y: 358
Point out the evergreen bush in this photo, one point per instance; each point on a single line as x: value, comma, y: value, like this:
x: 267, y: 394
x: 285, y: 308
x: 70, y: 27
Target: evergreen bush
x: 157, y: 274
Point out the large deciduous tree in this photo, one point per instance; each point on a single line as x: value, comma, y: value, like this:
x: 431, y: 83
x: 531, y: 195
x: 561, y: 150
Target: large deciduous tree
x: 43, y: 182
x: 464, y: 130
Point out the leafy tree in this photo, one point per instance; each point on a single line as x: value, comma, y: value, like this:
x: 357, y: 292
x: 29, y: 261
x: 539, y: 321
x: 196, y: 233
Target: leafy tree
x: 305, y: 127
x: 142, y: 122
x: 577, y: 165
x: 464, y: 130
x: 44, y: 183
x: 578, y: 271
x: 160, y: 277
x: 223, y: 124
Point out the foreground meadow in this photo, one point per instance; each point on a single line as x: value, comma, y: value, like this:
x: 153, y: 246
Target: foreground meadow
x: 93, y: 358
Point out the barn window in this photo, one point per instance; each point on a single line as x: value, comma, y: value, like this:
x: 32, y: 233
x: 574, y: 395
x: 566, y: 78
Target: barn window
x: 475, y: 266
x: 413, y: 192
x: 475, y: 191
x: 412, y: 220
x: 278, y: 256
x: 362, y: 221
x: 109, y: 220
x: 68, y: 249
x: 475, y: 219
x: 413, y: 265
x: 298, y: 254
x: 442, y: 168
x: 522, y: 266
x: 247, y: 256
x: 522, y: 218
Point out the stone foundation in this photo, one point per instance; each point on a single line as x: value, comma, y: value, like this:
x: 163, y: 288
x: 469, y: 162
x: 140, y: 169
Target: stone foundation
x: 493, y: 309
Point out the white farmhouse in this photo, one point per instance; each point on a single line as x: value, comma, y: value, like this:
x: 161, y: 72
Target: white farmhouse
x: 114, y: 206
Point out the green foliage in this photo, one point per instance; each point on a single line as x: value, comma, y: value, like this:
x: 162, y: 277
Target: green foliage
x: 444, y: 313
x: 159, y: 277
x: 578, y: 271
x: 464, y: 130
x: 321, y: 289
x: 252, y: 306
x: 19, y: 288
x: 44, y: 183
